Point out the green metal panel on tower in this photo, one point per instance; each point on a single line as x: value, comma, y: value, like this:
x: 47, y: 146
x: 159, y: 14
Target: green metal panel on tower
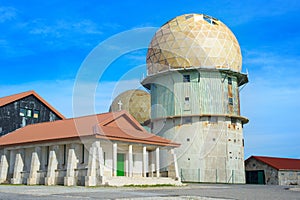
x: 206, y: 92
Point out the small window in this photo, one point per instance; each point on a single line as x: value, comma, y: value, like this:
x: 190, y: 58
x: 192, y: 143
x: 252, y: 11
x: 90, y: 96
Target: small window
x: 36, y: 114
x: 22, y: 112
x: 29, y: 113
x: 186, y: 78
x: 133, y: 160
x: 229, y: 81
x: 230, y: 101
x: 104, y: 158
x: 65, y: 155
x: 233, y: 120
x: 213, y: 119
x: 82, y: 153
x: 187, y: 103
x: 47, y: 155
x: 187, y: 120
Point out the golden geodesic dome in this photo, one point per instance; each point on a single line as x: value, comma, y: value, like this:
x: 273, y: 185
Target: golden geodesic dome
x: 193, y: 41
x: 136, y: 102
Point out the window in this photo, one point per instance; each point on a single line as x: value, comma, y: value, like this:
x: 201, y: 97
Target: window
x: 233, y: 120
x: 65, y: 155
x: 82, y: 153
x: 22, y: 112
x: 187, y: 103
x: 186, y: 78
x: 229, y: 81
x: 133, y: 160
x: 47, y: 155
x: 104, y: 158
x: 187, y: 120
x: 230, y: 101
x: 36, y: 114
x: 213, y: 119
x: 29, y: 113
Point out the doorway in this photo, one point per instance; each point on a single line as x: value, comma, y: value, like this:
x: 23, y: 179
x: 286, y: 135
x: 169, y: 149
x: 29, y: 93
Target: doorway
x: 120, y: 164
x: 255, y: 177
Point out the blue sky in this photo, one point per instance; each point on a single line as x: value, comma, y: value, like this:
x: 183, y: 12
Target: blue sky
x: 43, y: 46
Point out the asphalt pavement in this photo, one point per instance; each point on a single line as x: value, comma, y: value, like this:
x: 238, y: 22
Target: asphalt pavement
x: 189, y: 191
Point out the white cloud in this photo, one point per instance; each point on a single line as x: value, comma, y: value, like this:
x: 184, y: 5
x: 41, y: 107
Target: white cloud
x: 7, y: 13
x: 61, y: 28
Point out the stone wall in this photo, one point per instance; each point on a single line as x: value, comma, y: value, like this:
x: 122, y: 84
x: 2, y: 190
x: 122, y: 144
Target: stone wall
x: 289, y: 177
x: 271, y: 174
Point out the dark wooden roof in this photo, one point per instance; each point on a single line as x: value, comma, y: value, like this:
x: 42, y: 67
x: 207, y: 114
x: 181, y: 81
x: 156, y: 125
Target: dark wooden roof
x: 12, y: 98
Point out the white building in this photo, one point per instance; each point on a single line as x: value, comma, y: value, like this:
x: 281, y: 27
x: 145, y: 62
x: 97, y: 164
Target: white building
x: 104, y: 149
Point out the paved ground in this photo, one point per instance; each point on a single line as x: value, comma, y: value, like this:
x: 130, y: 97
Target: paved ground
x: 191, y: 191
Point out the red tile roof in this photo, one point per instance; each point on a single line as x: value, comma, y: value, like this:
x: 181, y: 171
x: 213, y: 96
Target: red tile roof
x: 119, y: 126
x: 279, y: 163
x: 9, y: 99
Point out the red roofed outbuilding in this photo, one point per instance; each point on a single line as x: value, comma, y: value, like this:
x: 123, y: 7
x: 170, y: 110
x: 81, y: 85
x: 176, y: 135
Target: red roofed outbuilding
x: 272, y: 170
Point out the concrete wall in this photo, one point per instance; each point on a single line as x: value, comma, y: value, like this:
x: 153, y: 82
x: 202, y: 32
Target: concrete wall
x: 209, y: 151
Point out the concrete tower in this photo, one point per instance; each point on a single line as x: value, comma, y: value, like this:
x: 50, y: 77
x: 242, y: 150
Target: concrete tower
x: 194, y: 74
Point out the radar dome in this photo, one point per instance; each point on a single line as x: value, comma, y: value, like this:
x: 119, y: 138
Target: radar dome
x: 136, y: 102
x: 193, y: 41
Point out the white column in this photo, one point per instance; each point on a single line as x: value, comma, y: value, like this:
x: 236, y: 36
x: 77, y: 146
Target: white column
x: 52, y: 166
x: 72, y: 161
x: 157, y: 161
x: 18, y: 168
x: 12, y: 157
x: 3, y: 169
x: 95, y: 172
x: 114, y: 158
x: 34, y: 167
x: 130, y: 161
x: 145, y: 164
x: 175, y: 164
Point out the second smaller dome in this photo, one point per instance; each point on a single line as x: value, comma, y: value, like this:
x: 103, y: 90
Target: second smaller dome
x: 136, y: 102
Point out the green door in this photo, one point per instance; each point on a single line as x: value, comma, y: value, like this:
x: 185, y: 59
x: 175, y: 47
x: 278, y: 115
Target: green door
x: 120, y: 164
x: 260, y: 177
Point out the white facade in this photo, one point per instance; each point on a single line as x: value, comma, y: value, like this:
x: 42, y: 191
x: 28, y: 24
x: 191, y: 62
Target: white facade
x: 90, y: 163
